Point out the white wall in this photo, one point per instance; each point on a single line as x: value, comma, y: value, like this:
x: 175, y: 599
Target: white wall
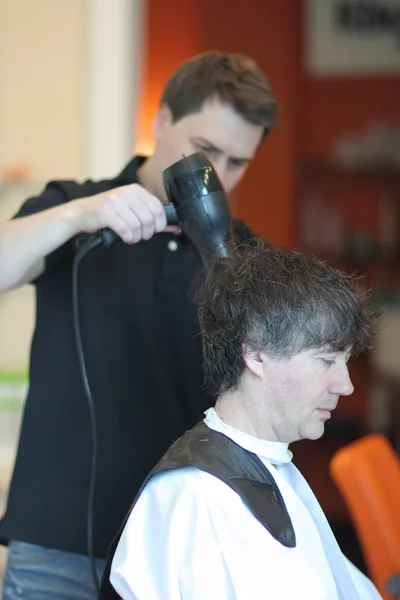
x: 41, y: 124
x: 42, y: 86
x: 113, y: 66
x: 69, y: 78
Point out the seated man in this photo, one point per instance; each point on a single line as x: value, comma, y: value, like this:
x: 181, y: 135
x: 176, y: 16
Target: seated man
x: 226, y: 514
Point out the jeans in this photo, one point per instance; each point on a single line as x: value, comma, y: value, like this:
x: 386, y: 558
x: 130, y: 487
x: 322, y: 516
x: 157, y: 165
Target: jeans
x: 37, y: 573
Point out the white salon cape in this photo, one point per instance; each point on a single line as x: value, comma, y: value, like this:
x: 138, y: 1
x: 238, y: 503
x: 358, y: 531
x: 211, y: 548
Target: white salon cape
x: 190, y: 537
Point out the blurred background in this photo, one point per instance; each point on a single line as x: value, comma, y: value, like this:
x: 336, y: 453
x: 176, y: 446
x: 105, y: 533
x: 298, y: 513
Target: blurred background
x: 79, y: 83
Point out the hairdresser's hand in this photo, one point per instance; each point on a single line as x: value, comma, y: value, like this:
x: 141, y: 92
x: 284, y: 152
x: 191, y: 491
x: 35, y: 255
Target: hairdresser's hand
x: 131, y: 211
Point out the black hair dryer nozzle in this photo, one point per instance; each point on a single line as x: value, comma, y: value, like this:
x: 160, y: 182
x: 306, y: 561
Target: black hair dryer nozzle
x: 193, y: 187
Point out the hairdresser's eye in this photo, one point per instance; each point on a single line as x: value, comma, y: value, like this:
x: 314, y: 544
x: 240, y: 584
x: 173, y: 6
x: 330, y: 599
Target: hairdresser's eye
x: 206, y: 149
x: 237, y: 163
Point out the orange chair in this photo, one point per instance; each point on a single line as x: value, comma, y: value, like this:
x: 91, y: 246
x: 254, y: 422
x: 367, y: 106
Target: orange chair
x: 367, y: 472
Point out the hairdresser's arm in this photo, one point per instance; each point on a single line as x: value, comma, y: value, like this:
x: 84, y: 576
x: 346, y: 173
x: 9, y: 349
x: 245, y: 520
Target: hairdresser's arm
x: 131, y: 211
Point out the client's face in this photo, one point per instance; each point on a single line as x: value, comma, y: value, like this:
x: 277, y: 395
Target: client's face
x: 301, y: 392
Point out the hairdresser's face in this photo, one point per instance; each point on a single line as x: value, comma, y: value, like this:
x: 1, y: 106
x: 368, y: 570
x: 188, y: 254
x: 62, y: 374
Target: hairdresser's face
x: 225, y: 137
x: 300, y: 393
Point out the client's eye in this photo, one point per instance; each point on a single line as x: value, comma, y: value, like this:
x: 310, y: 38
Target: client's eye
x: 328, y: 361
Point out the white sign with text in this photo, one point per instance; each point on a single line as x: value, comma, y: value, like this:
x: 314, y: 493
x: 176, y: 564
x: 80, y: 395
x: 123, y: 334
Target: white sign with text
x: 352, y: 37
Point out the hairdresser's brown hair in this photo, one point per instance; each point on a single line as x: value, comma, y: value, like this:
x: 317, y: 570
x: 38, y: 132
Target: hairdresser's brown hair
x: 233, y: 79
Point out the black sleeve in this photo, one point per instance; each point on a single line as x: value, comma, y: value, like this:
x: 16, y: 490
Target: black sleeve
x: 56, y: 193
x: 51, y: 196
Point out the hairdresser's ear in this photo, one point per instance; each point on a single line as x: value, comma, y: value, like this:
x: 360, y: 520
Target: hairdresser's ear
x: 162, y: 121
x: 255, y: 360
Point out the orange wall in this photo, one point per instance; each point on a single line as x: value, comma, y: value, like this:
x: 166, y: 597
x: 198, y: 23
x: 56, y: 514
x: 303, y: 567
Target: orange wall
x: 269, y: 32
x: 313, y: 110
x: 333, y: 105
x: 172, y: 36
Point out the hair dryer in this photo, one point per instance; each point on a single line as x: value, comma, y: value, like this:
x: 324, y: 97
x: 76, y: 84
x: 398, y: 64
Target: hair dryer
x: 197, y: 202
x: 193, y: 187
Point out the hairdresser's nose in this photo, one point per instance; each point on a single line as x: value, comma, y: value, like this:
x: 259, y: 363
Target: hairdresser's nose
x: 228, y: 176
x: 220, y: 167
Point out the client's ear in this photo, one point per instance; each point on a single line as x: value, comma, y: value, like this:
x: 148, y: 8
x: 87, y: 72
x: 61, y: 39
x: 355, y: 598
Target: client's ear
x: 254, y: 359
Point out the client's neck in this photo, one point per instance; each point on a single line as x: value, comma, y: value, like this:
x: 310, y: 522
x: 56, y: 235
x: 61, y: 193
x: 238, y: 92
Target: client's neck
x: 233, y: 410
x: 242, y: 410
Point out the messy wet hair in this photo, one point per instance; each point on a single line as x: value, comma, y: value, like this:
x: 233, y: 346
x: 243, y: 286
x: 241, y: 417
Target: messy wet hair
x: 278, y: 301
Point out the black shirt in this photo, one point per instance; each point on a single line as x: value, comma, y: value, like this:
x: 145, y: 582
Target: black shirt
x: 143, y: 354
